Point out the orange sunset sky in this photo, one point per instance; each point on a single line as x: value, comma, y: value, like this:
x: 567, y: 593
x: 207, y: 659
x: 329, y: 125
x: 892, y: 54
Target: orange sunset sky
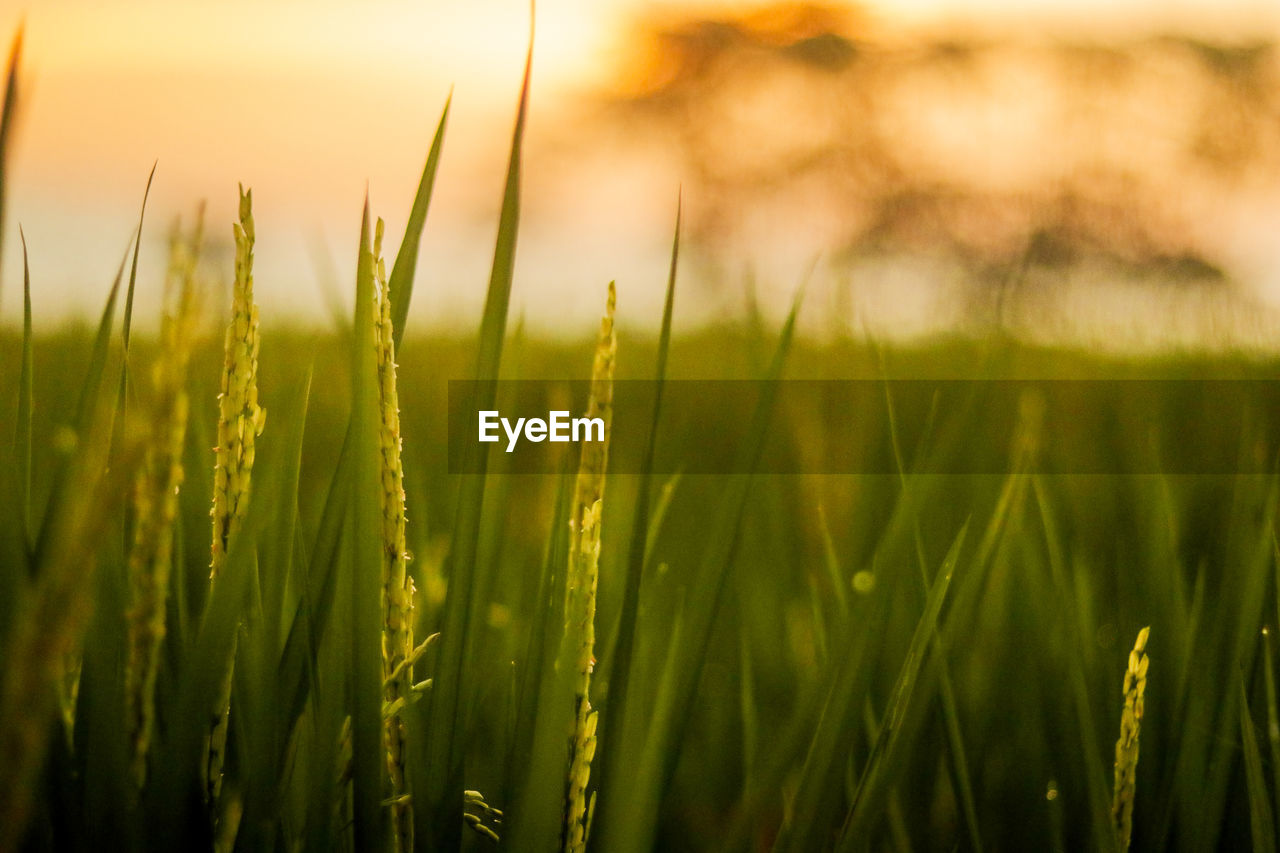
x: 309, y: 102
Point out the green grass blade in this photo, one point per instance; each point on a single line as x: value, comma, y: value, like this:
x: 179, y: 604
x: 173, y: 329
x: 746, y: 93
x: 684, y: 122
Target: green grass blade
x: 261, y: 697
x: 1273, y: 715
x: 776, y: 766
x: 614, y: 711
x: 658, y: 514
x: 22, y: 438
x: 101, y: 343
x: 638, y: 810
x: 951, y: 719
x: 7, y: 118
x: 708, y: 585
x: 50, y: 619
x: 1245, y: 583
x: 402, y: 273
x: 1261, y: 822
x: 102, y: 752
x: 540, y: 650
x: 493, y: 324
x: 174, y: 796
x: 831, y: 562
x: 873, y: 787
x: 364, y: 587
x: 278, y: 550
x: 748, y: 703
x: 630, y: 825
x: 197, y: 486
x: 439, y: 821
x: 536, y: 820
x: 1096, y: 786
x: 90, y: 392
x: 816, y: 798
x: 133, y: 267
x: 298, y: 668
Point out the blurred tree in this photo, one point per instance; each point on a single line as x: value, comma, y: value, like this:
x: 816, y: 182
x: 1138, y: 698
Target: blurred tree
x: 995, y: 153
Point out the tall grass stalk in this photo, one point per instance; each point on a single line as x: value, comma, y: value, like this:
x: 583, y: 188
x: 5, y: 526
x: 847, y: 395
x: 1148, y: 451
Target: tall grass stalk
x: 1261, y: 821
x: 7, y: 119
x: 397, y: 584
x: 155, y: 497
x: 52, y: 614
x: 240, y: 418
x: 240, y: 421
x: 578, y: 650
x: 644, y: 527
x: 445, y: 721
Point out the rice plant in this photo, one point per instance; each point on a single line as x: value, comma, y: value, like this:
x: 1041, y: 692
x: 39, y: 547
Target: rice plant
x: 364, y: 647
x: 155, y: 498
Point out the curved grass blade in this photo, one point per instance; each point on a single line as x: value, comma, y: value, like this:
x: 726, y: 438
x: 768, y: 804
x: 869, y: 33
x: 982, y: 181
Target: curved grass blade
x: 630, y: 823
x: 439, y: 821
x: 1248, y: 570
x: 265, y: 724
x: 876, y: 780
x: 1273, y: 715
x: 639, y: 811
x: 402, y: 272
x: 1261, y: 823
x: 614, y: 711
x: 279, y: 551
x: 101, y: 751
x: 298, y: 661
x: 537, y: 810
x: 1096, y: 788
x: 133, y: 269
x: 22, y: 438
x: 540, y: 650
x: 7, y: 119
x: 707, y: 587
x: 90, y: 392
x: 52, y: 614
x: 959, y: 764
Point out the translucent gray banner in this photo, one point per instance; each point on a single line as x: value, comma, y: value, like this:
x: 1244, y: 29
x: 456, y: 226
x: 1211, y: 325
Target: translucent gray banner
x: 873, y: 426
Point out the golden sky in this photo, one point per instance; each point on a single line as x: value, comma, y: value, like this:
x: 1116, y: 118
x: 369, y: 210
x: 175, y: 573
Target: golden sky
x: 310, y: 101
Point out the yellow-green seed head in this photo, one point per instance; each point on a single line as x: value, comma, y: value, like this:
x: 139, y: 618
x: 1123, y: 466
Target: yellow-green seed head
x: 398, y: 651
x: 240, y: 420
x: 240, y: 417
x: 578, y: 649
x: 155, y: 498
x: 1135, y: 688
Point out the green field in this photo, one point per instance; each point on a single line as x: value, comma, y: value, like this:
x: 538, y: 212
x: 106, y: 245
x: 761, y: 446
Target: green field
x: 887, y: 661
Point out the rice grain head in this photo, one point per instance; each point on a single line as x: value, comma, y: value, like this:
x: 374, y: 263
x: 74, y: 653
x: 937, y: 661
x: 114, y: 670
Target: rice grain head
x: 398, y: 652
x: 240, y: 421
x: 240, y: 418
x: 1135, y: 687
x: 155, y: 497
x: 582, y: 579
